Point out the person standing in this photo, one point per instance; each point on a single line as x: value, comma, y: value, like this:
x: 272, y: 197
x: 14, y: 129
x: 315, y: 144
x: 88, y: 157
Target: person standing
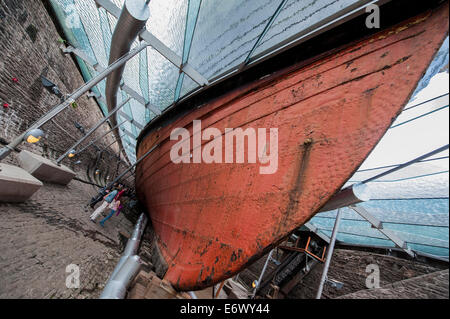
x: 101, y: 195
x: 122, y: 192
x: 108, y: 199
x: 115, y: 207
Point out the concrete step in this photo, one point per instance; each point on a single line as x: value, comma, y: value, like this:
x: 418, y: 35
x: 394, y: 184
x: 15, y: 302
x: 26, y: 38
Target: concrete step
x: 44, y: 169
x: 16, y: 184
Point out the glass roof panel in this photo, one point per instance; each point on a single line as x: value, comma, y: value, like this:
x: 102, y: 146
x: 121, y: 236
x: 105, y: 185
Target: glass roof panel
x: 167, y: 22
x: 162, y: 77
x: 188, y: 86
x: 143, y: 81
x: 67, y: 14
x: 299, y: 15
x: 88, y: 13
x: 191, y: 21
x: 106, y: 31
x: 226, y: 32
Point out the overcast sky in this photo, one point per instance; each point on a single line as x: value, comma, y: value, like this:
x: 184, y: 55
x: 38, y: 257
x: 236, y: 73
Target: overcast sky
x: 408, y: 141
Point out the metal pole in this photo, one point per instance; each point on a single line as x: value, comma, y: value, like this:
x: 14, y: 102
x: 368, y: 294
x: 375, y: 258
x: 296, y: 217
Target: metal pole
x: 128, y: 265
x: 104, y: 149
x: 92, y: 130
x: 329, y: 254
x: 131, y: 167
x: 100, y: 137
x: 192, y: 294
x: 262, y: 273
x: 418, y: 159
x: 5, y: 151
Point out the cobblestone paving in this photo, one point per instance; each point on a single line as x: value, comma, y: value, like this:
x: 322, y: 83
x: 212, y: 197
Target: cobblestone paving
x: 41, y: 237
x: 430, y: 286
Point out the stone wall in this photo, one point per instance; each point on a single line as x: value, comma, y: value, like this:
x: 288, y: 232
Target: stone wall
x: 429, y: 286
x: 29, y: 48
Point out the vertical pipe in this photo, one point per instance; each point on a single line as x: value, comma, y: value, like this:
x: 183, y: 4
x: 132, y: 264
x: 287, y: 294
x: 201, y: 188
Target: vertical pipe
x: 132, y: 20
x: 128, y: 264
x: 329, y: 254
x: 262, y: 273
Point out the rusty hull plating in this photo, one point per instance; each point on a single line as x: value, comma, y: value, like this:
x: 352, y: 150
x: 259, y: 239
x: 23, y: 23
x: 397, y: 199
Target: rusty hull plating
x: 212, y: 220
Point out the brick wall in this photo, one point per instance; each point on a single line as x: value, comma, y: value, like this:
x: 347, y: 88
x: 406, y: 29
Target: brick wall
x: 29, y: 48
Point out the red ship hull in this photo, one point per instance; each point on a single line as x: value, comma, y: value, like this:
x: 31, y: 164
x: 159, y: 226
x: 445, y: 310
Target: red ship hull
x: 212, y: 220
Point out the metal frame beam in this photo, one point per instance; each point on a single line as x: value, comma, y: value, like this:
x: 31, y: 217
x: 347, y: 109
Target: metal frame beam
x: 131, y: 120
x: 128, y: 133
x: 382, y: 238
x: 135, y: 95
x: 329, y: 254
x: 100, y: 137
x: 92, y: 130
x: 99, y: 97
x: 399, y: 167
x: 99, y: 68
x: 158, y: 46
x: 386, y: 232
x: 191, y: 20
x: 263, y: 34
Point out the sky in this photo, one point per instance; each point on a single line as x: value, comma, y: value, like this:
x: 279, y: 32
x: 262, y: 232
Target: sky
x: 410, y: 140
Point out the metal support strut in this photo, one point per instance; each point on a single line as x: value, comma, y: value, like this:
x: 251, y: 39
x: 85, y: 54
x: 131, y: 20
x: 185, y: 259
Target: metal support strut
x: 329, y: 254
x: 386, y: 232
x: 100, y: 137
x: 262, y: 273
x: 92, y: 130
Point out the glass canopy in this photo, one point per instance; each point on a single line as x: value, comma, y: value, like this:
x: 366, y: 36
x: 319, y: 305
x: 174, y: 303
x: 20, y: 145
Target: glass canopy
x: 217, y: 38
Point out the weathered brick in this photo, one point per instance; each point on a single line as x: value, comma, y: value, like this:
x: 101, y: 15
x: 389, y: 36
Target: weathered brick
x: 28, y: 57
